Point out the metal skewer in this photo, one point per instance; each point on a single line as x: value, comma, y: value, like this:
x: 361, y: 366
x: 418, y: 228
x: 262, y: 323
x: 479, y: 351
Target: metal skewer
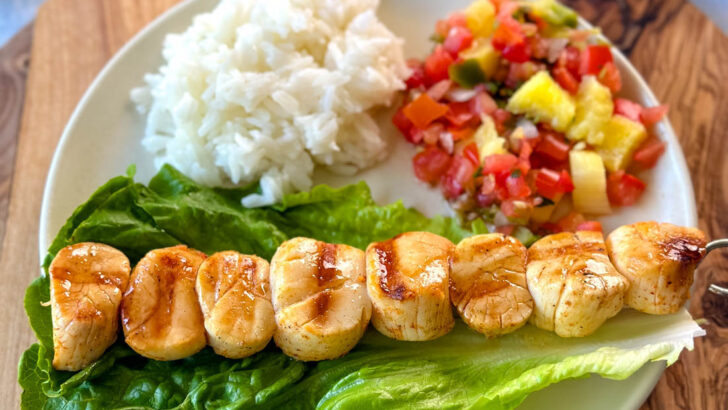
x: 718, y: 243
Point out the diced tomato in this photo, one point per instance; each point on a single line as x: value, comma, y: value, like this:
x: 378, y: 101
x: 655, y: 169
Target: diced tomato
x: 459, y: 113
x: 423, y: 110
x: 565, y: 182
x: 517, y: 186
x: 624, y: 189
x: 517, y: 52
x: 595, y: 226
x: 627, y: 108
x: 460, y: 133
x: 417, y: 78
x: 539, y: 46
x: 593, y: 59
x: 524, y: 155
x: 565, y: 79
x: 652, y: 115
x: 437, y: 64
x: 501, y: 117
x: 457, y: 19
x: 649, y: 153
x: 482, y: 103
x: 570, y: 221
x: 499, y: 164
x: 486, y: 195
x: 570, y: 58
x: 458, y: 38
x: 430, y: 164
x: 547, y: 183
x: 505, y: 229
x: 610, y: 77
x: 403, y: 124
x: 553, y: 146
x: 470, y: 152
x: 457, y: 177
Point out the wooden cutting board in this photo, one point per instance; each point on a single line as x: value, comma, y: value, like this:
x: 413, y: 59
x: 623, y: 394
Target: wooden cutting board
x: 681, y: 54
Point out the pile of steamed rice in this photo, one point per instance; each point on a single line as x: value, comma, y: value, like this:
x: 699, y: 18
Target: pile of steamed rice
x: 265, y: 89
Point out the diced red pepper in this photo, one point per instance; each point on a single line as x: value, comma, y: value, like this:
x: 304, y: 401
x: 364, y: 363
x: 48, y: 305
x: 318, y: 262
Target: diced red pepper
x: 437, y: 64
x: 627, y: 108
x: 649, y: 153
x: 566, y: 80
x: 457, y: 177
x: 460, y: 133
x: 470, y: 152
x: 459, y: 113
x: 499, y: 164
x: 458, y: 38
x: 517, y: 186
x: 565, y: 182
x: 417, y: 78
x: 610, y: 77
x: 595, y: 226
x: 624, y: 189
x: 547, y: 183
x: 423, y: 110
x: 652, y: 115
x: 593, y: 59
x: 553, y: 146
x: 430, y: 164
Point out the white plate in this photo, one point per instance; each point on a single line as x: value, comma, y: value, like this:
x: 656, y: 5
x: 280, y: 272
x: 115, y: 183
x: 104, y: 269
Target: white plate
x: 103, y: 137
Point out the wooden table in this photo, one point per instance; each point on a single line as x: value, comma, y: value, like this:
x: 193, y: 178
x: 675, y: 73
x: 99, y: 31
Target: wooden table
x: 681, y: 54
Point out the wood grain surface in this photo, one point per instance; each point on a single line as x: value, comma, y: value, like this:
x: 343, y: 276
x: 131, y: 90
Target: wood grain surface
x: 681, y: 54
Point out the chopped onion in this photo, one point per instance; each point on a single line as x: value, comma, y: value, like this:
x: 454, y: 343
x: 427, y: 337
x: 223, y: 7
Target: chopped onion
x: 447, y: 142
x: 529, y: 129
x: 437, y: 91
x: 556, y: 46
x: 461, y: 94
x: 500, y: 219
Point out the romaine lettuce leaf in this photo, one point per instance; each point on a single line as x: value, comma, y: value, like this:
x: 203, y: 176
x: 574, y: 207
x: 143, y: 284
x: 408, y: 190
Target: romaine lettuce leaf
x: 462, y: 369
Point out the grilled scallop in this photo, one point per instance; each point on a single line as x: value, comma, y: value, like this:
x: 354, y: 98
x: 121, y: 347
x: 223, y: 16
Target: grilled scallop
x: 659, y: 260
x: 320, y: 299
x: 234, y: 295
x: 488, y: 284
x: 574, y: 286
x: 87, y: 282
x: 407, y: 279
x: 159, y: 312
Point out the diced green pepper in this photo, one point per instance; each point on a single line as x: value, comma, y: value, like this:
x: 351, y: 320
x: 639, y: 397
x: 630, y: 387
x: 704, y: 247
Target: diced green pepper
x: 467, y: 73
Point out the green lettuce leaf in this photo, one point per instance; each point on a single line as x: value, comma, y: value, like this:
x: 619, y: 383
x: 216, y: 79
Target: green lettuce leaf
x: 462, y: 369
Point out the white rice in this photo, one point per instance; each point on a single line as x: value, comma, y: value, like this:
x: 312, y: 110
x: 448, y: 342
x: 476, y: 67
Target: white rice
x: 265, y: 89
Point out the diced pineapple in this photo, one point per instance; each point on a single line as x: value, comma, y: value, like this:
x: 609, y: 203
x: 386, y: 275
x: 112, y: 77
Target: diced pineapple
x: 480, y: 18
x: 483, y: 52
x: 487, y: 139
x: 590, y: 183
x: 622, y: 136
x: 542, y: 99
x: 594, y: 107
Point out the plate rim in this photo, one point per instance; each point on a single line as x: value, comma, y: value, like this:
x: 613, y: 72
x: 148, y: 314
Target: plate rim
x: 652, y: 373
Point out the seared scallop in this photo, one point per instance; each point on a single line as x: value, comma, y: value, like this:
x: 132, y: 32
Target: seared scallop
x: 488, y: 284
x: 407, y: 280
x: 659, y: 260
x: 574, y: 286
x: 87, y: 282
x: 234, y: 294
x: 160, y: 313
x: 320, y: 299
